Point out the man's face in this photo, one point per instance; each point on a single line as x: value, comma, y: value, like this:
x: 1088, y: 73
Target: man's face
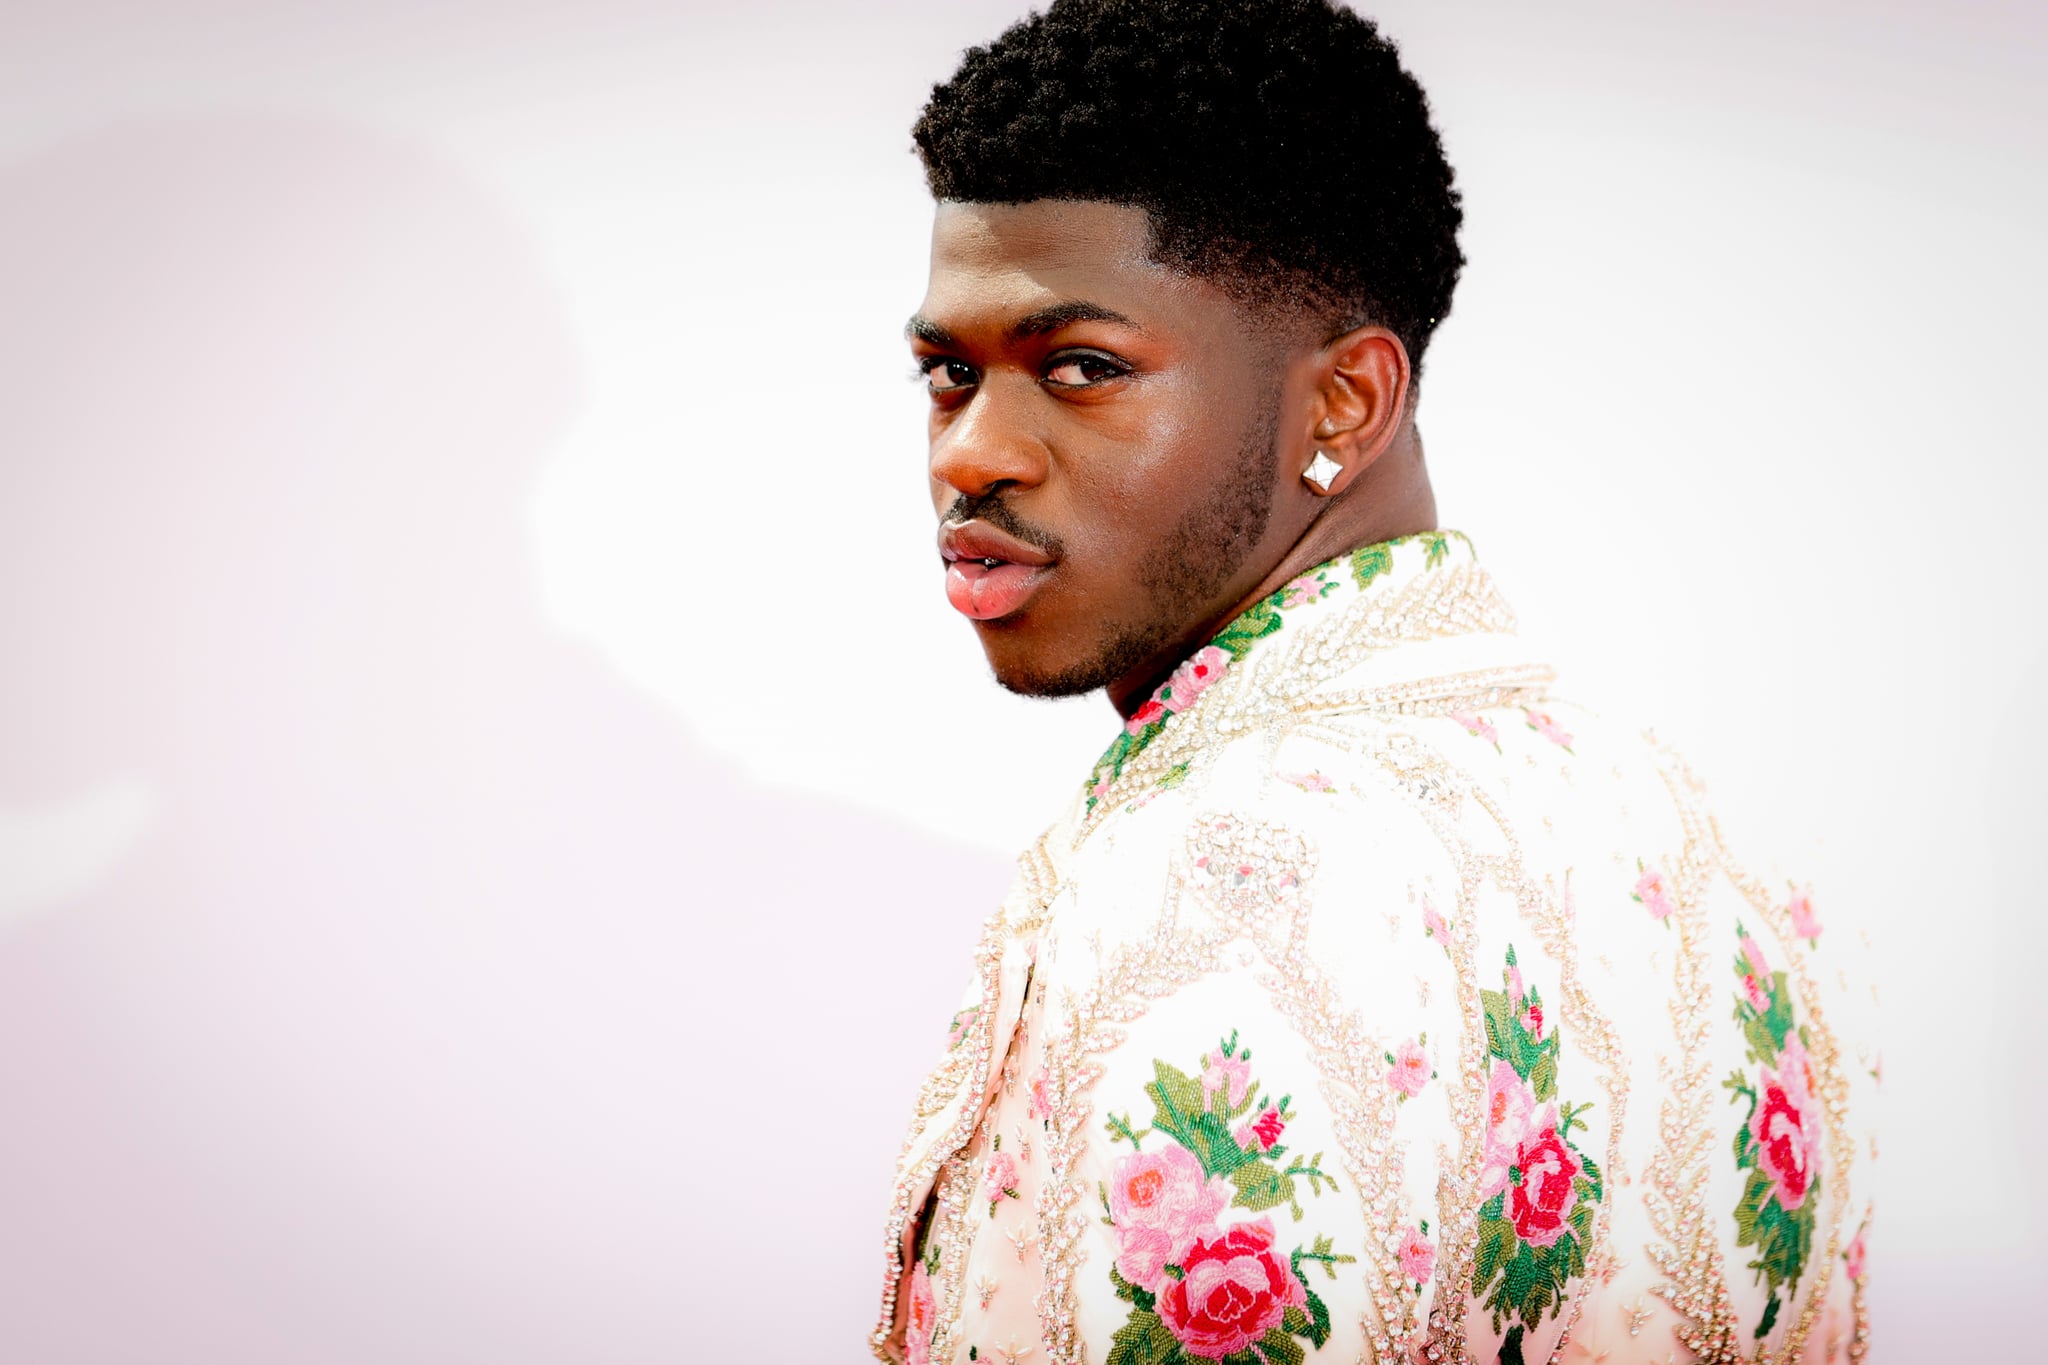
x: 1102, y: 443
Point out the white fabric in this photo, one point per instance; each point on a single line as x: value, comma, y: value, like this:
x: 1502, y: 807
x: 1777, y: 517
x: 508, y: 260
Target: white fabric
x: 1310, y: 882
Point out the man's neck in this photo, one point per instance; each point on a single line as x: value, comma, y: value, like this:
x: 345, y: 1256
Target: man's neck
x: 1391, y: 498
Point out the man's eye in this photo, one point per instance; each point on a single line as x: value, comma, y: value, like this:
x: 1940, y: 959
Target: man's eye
x: 1078, y: 371
x: 946, y: 376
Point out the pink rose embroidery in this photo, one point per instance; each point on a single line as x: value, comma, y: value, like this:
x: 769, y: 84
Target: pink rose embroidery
x: 1542, y: 1199
x: 1261, y: 1133
x: 999, y: 1180
x: 1408, y: 1069
x: 1854, y: 1256
x: 1151, y: 711
x: 1303, y: 590
x: 1479, y: 726
x: 1782, y: 1127
x: 1532, y: 1021
x: 956, y: 1033
x: 1433, y: 923
x: 1193, y: 677
x: 1160, y: 1202
x: 1756, y: 982
x: 1542, y: 724
x: 1510, y: 1104
x: 1041, y: 1106
x: 1804, y: 923
x: 1236, y: 1289
x: 923, y: 1319
x: 1418, y: 1256
x: 1653, y: 889
x: 1219, y: 1071
x: 1517, y: 992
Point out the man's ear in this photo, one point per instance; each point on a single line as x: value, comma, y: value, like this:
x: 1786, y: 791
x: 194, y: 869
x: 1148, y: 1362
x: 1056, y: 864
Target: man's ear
x: 1362, y: 399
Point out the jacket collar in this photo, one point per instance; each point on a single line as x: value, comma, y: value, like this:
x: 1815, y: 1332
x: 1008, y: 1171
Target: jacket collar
x: 1390, y: 625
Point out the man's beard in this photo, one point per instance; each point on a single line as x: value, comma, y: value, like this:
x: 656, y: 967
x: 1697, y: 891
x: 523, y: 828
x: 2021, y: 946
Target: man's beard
x: 1185, y: 573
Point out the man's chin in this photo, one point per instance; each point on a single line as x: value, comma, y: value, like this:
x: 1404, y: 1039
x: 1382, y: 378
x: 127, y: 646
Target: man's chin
x: 1028, y: 672
x: 1027, y: 681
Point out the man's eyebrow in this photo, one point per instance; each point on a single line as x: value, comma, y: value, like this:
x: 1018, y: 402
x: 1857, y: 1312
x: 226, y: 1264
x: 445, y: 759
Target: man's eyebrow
x: 1062, y: 314
x: 1049, y: 319
x: 922, y: 328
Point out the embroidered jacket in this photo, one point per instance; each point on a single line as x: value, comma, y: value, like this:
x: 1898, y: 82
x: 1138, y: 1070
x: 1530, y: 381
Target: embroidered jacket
x: 1370, y: 1003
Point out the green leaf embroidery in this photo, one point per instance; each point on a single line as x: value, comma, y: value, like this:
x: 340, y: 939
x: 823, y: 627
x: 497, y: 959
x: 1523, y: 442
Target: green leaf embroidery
x: 1499, y: 1026
x: 1176, y: 1099
x: 1259, y: 620
x: 1769, y: 1319
x: 1144, y: 1340
x: 1119, y: 1126
x: 1318, y: 1314
x: 1132, y: 1293
x: 1281, y: 1349
x: 1370, y: 562
x: 1262, y: 1185
x: 1496, y: 1244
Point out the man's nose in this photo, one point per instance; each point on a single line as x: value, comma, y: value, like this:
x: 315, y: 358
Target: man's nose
x: 991, y: 443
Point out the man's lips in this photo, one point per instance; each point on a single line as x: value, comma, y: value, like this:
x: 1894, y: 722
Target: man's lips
x: 989, y: 573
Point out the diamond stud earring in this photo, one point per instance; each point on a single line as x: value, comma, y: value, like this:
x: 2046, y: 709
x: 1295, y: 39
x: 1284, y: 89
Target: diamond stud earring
x: 1321, y: 471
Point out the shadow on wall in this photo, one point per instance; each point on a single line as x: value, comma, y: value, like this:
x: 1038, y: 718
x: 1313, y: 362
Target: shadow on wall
x: 449, y: 1005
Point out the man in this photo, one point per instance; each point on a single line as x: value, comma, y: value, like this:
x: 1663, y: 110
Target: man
x: 1369, y: 1002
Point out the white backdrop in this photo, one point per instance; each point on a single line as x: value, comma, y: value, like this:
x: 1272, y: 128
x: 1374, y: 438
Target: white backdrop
x: 467, y: 577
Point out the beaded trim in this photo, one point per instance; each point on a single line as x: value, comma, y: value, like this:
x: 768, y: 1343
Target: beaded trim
x: 966, y: 1065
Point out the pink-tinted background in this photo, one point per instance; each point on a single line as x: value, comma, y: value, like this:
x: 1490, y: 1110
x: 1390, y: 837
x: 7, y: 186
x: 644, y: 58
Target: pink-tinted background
x: 493, y: 808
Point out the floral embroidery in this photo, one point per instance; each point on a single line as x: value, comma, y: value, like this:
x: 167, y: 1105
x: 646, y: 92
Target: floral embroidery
x: 1779, y: 1144
x: 1542, y: 724
x: 1540, y: 1190
x: 1653, y: 893
x: 1478, y: 726
x: 1756, y: 975
x: 1235, y: 641
x: 1220, y: 1068
x: 1041, y: 1104
x: 1804, y: 923
x: 1312, y: 586
x: 1418, y: 1254
x: 924, y: 1318
x: 1160, y: 1203
x: 1193, y: 677
x: 962, y: 1024
x: 999, y: 1177
x: 1433, y: 924
x: 1309, y: 782
x: 1201, y: 1289
x: 1264, y: 1130
x: 1408, y: 1068
x: 1854, y: 1256
x: 1234, y: 1292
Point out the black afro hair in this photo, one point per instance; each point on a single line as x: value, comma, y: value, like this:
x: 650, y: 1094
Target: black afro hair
x: 1278, y: 147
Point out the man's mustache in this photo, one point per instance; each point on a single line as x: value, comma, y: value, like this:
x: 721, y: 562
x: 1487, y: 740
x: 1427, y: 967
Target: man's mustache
x: 997, y: 512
